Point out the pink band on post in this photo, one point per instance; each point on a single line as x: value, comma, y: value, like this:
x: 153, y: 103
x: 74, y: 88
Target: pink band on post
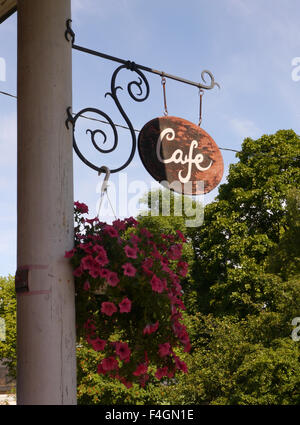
x: 44, y: 292
x: 34, y: 267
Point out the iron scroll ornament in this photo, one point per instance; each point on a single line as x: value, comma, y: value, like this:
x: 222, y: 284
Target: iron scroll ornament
x: 139, y: 97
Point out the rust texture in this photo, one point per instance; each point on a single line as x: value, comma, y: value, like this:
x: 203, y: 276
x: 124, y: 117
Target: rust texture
x: 180, y: 156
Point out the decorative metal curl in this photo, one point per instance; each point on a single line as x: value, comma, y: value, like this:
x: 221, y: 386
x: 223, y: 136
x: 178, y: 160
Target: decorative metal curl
x: 212, y: 80
x: 138, y: 97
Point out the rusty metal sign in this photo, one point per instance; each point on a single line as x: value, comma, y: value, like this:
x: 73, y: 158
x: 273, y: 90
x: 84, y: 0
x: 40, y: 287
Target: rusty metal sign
x: 181, y: 154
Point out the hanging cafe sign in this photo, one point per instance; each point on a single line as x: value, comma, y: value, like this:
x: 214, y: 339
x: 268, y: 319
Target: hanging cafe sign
x: 180, y: 153
x: 177, y: 153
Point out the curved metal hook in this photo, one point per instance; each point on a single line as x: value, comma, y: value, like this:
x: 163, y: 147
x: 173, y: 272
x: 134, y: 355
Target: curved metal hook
x: 70, y: 32
x: 105, y: 170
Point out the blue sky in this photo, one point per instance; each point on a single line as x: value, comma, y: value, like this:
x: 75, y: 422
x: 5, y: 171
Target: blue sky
x: 248, y: 45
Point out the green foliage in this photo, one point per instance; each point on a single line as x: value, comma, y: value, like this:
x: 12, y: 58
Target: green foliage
x: 98, y: 389
x: 285, y: 258
x: 243, y: 227
x: 244, y: 362
x: 8, y: 313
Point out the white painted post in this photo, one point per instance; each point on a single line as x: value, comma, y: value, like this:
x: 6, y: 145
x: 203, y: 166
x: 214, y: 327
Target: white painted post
x: 46, y: 371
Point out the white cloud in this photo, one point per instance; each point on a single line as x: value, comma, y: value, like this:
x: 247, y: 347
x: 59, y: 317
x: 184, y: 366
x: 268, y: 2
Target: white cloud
x: 245, y: 128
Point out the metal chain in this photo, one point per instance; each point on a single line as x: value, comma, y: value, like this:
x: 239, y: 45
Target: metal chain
x: 201, y: 93
x: 163, y: 82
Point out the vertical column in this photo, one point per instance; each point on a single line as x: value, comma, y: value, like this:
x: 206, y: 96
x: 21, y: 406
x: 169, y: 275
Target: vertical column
x: 46, y: 371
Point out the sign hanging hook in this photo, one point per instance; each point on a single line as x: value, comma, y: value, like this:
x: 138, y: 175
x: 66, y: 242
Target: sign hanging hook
x: 104, y: 186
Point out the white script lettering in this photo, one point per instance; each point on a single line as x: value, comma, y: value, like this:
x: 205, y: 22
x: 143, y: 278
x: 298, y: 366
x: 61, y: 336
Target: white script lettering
x: 179, y: 158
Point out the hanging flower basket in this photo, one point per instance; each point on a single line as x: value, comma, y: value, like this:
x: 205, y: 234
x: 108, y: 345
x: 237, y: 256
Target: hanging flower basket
x: 128, y: 297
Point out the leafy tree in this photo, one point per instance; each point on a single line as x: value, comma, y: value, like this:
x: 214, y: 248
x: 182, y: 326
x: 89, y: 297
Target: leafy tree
x: 240, y: 362
x: 8, y: 314
x: 285, y: 259
x: 244, y: 226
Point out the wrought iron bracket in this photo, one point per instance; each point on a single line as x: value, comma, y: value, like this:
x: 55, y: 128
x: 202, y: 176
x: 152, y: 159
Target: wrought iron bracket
x: 142, y: 88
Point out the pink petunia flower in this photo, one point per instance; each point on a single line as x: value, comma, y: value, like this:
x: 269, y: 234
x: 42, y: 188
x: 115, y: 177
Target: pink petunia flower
x: 146, y: 233
x: 135, y: 239
x: 87, y: 262
x: 89, y: 325
x: 78, y: 272
x: 104, y: 273
x: 150, y: 328
x: 119, y: 225
x: 141, y: 369
x: 112, y: 279
x: 160, y: 373
x: 125, y: 305
x: 129, y: 270
x: 82, y: 208
x: 166, y: 269
x: 143, y: 380
x: 100, y: 369
x: 155, y: 254
x: 87, y: 247
x: 178, y: 328
x: 180, y: 364
x: 181, y: 235
x: 157, y: 284
x: 131, y: 221
x: 148, y: 263
x: 94, y: 272
x: 98, y: 249
x: 164, y: 349
x: 170, y: 373
x: 127, y: 384
x: 176, y: 301
x: 111, y: 231
x: 183, y: 337
x: 187, y: 348
x: 70, y: 254
x: 86, y: 286
x: 147, y: 271
x: 123, y: 351
x: 108, y: 308
x: 102, y: 259
x: 130, y: 252
x: 97, y: 344
x: 109, y: 363
x: 183, y: 268
x: 174, y: 252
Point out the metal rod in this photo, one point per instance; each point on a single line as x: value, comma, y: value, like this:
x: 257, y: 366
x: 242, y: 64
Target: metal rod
x: 146, y: 68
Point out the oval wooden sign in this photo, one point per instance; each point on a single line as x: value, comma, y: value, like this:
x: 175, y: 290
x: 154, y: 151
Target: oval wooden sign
x: 181, y: 154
